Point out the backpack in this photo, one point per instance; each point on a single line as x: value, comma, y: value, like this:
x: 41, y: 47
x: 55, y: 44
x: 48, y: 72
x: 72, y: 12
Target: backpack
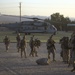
x: 65, y: 42
x: 50, y: 44
x: 37, y: 42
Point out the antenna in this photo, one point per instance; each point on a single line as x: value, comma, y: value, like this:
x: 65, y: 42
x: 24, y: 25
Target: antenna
x: 20, y: 11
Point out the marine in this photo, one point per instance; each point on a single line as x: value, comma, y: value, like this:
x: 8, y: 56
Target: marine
x: 51, y: 47
x: 18, y: 38
x: 23, y: 47
x: 37, y: 43
x: 65, y: 49
x: 6, y: 42
x: 31, y: 44
x: 73, y: 52
x: 71, y: 48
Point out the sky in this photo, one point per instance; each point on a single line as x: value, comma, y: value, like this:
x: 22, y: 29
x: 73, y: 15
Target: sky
x: 38, y: 7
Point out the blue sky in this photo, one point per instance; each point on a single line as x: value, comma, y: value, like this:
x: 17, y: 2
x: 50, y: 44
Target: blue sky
x: 38, y: 7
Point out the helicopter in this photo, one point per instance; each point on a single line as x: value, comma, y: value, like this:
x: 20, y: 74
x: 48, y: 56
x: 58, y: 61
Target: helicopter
x: 35, y: 25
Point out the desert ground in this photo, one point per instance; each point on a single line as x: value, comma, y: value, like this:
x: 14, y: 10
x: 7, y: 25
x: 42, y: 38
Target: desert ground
x: 11, y: 62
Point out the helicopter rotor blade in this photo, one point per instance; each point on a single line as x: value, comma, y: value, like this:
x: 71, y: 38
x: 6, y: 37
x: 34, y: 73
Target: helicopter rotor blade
x: 10, y: 15
x: 34, y: 18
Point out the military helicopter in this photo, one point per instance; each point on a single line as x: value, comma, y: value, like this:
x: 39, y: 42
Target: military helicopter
x: 36, y: 25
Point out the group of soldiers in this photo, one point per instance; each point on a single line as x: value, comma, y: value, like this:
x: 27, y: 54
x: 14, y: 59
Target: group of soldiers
x: 67, y: 45
x: 22, y: 44
x: 68, y: 50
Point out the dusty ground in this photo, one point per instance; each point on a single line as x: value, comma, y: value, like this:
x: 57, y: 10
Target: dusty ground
x: 12, y: 64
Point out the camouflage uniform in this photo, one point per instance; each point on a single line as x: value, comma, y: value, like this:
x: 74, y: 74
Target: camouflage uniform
x: 73, y: 52
x: 65, y: 49
x: 70, y: 49
x: 36, y: 46
x: 51, y: 48
x: 31, y: 44
x: 18, y: 38
x: 7, y: 42
x: 23, y: 46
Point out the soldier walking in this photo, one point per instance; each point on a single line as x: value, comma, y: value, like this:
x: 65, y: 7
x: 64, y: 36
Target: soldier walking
x: 32, y: 47
x: 65, y: 49
x: 73, y: 52
x: 70, y: 47
x: 23, y: 46
x: 18, y: 38
x: 7, y: 42
x: 51, y: 48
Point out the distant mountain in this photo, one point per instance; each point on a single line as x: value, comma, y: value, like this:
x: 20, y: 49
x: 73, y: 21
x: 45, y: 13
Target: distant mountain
x: 12, y: 19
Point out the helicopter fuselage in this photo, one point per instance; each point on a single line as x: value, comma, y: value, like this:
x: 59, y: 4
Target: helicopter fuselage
x: 36, y: 27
